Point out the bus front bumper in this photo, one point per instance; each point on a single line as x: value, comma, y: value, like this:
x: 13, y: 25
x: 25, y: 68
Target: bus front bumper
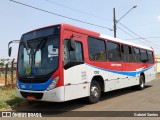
x: 54, y: 95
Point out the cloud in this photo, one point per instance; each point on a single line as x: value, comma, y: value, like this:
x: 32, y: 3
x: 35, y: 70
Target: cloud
x: 158, y: 18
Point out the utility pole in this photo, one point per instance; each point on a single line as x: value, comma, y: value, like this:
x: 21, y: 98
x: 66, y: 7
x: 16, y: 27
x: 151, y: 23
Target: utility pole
x: 114, y: 20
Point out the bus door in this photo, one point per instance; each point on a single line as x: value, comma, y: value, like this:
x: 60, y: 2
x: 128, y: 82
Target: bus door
x: 75, y: 74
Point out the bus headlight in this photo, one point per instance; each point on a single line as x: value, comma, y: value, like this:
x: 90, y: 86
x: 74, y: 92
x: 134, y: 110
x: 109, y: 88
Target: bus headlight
x: 53, y: 84
x: 18, y: 86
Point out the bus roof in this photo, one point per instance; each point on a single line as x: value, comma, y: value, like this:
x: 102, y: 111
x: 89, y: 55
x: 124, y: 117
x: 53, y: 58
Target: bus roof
x: 96, y: 34
x: 125, y: 42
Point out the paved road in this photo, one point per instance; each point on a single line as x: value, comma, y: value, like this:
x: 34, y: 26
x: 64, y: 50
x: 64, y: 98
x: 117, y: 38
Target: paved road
x: 127, y: 99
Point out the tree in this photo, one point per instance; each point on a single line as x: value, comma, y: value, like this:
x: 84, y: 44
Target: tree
x: 2, y: 62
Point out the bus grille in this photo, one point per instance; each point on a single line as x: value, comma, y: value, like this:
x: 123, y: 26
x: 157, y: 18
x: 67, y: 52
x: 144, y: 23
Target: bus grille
x: 36, y: 95
x: 33, y: 80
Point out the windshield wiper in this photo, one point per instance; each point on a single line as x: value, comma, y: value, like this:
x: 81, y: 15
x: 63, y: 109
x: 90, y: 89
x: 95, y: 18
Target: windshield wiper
x: 42, y: 43
x: 26, y: 46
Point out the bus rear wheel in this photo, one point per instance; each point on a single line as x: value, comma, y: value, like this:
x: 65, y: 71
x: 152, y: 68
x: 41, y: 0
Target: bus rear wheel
x: 141, y: 85
x: 95, y: 92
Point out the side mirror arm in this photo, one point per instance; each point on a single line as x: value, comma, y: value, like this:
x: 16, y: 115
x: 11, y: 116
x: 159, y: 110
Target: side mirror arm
x: 72, y: 45
x: 10, y: 48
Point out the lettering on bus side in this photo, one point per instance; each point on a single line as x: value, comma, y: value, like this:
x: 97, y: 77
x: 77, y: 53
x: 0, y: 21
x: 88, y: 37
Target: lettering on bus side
x: 77, y: 36
x: 116, y: 64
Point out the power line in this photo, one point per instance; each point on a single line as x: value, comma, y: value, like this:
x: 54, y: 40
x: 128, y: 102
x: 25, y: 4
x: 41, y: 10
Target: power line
x: 59, y: 15
x: 80, y: 11
x: 139, y: 25
x: 36, y: 8
x: 134, y: 37
x: 129, y: 34
x: 144, y: 38
x: 126, y: 32
x: 141, y: 38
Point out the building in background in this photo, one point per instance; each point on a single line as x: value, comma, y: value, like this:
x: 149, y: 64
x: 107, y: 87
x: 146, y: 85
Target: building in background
x: 157, y: 58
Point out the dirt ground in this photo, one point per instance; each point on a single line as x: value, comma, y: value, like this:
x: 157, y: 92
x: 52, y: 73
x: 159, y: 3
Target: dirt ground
x: 2, y: 80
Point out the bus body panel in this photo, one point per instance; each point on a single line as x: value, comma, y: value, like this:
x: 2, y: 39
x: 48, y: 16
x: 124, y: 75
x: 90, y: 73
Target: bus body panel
x: 75, y: 78
x: 76, y: 85
x: 150, y: 74
x: 55, y: 95
x: 74, y: 82
x: 119, y: 79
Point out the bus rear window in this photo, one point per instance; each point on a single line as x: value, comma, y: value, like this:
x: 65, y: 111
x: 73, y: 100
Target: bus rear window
x: 150, y: 57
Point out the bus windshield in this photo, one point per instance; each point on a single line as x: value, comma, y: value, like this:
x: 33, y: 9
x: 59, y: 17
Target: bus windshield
x: 38, y: 56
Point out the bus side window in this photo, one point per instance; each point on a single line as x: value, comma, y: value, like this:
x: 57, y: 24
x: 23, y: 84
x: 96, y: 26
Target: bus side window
x: 97, y: 49
x: 114, y: 53
x: 127, y: 53
x: 73, y: 56
x: 144, y: 56
x: 77, y: 55
x: 150, y: 57
x: 136, y: 55
x: 79, y: 52
x: 66, y: 52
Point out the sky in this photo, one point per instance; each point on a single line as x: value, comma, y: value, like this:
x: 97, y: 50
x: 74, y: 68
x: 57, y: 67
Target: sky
x: 144, y: 20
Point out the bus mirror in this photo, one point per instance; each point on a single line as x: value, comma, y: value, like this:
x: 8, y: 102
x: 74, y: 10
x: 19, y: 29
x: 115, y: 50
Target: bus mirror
x: 10, y: 48
x: 72, y: 45
x: 9, y: 51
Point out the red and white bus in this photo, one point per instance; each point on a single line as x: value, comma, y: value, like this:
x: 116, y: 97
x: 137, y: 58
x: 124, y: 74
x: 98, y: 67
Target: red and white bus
x: 63, y: 62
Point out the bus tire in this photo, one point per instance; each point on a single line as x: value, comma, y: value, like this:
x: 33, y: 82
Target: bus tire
x: 95, y: 92
x: 141, y: 85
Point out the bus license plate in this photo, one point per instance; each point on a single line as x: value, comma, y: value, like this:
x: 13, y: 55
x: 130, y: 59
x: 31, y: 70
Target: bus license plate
x: 31, y: 98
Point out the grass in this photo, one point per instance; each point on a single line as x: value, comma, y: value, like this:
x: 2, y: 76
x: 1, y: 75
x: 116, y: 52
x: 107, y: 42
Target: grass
x: 8, y: 99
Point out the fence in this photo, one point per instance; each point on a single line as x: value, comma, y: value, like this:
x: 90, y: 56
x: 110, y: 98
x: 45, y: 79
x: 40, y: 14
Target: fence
x: 8, y: 74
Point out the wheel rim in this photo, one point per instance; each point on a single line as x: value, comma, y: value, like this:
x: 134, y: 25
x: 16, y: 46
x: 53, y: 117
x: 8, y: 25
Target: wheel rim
x: 94, y: 92
x: 142, y: 83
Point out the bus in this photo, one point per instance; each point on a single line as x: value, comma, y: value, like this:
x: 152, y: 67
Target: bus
x: 63, y: 62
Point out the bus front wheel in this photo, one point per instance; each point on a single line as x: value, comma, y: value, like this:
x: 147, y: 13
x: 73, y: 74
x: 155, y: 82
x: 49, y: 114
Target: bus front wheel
x: 95, y: 92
